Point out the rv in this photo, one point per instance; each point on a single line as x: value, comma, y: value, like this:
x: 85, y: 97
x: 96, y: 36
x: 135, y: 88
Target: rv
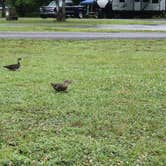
x: 129, y: 8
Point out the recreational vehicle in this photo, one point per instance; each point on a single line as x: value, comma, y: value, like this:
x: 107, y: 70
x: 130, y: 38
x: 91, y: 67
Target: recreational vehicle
x: 129, y: 8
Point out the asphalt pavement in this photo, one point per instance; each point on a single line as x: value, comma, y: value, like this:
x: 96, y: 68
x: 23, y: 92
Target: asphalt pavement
x: 82, y: 35
x: 135, y: 27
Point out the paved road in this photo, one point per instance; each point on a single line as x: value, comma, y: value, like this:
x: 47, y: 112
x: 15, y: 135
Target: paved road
x: 135, y: 27
x: 82, y: 35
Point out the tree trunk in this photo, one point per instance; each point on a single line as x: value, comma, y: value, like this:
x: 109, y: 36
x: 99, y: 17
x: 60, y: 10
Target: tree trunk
x: 60, y: 8
x: 3, y: 8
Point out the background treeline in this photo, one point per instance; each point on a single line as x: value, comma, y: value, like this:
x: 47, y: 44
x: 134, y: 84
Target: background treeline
x: 29, y: 7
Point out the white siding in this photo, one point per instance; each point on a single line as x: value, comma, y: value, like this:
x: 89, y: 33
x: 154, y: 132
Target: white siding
x: 131, y: 5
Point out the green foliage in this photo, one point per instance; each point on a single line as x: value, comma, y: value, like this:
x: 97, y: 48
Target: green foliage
x: 114, y: 112
x: 27, y: 6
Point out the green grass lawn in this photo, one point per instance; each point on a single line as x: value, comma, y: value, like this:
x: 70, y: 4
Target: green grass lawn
x: 38, y: 24
x: 114, y: 112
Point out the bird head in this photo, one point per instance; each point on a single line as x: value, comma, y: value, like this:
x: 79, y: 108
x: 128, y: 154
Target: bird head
x: 67, y: 82
x: 19, y: 59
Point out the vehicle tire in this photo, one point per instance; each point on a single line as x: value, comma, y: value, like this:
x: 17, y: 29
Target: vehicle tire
x: 80, y: 15
x: 44, y: 17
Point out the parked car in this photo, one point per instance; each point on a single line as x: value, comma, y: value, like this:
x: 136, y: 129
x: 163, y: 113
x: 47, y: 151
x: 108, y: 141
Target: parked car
x: 71, y: 10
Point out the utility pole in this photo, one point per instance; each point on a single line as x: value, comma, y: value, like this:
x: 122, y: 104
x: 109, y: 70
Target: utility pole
x: 60, y: 9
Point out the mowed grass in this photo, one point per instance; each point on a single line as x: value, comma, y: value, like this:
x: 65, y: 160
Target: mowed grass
x: 71, y: 25
x: 84, y: 21
x: 113, y: 113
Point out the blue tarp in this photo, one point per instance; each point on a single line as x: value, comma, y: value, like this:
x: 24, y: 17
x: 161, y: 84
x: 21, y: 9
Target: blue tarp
x: 86, y: 2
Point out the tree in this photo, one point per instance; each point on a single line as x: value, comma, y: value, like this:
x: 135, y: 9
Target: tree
x: 60, y: 7
x: 27, y: 7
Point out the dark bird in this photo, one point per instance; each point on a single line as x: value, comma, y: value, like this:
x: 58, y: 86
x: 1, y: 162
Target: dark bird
x: 61, y: 86
x: 14, y: 67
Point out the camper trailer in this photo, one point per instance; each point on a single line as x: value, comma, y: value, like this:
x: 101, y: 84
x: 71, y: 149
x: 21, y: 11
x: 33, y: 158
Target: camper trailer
x: 138, y: 5
x: 113, y: 8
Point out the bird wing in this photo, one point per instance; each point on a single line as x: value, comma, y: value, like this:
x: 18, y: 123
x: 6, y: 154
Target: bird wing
x: 12, y: 67
x: 59, y: 87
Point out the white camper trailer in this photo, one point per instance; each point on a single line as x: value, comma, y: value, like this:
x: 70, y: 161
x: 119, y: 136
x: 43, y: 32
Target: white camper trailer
x: 129, y: 8
x: 138, y: 5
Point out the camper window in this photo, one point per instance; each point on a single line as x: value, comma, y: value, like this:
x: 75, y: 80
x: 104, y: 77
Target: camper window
x: 121, y: 0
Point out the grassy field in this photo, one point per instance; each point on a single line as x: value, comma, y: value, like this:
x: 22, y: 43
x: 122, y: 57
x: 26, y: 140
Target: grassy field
x: 113, y: 113
x: 88, y: 25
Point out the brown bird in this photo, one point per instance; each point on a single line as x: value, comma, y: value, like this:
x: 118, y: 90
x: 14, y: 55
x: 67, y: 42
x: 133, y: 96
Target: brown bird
x: 61, y: 86
x: 14, y: 67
